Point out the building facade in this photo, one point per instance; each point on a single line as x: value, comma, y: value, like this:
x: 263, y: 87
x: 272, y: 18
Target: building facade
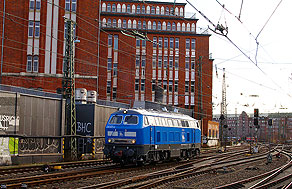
x: 127, y: 48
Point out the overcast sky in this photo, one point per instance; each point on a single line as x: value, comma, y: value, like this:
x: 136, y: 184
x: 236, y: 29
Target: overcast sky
x: 262, y: 81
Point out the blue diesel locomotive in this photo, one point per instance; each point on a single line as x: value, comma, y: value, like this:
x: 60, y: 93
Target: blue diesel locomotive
x: 143, y: 136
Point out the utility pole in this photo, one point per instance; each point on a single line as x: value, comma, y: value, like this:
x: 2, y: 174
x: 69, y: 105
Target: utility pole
x: 223, y: 112
x: 68, y: 84
x: 200, y: 99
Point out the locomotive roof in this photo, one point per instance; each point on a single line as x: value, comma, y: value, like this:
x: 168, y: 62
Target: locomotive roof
x: 156, y: 113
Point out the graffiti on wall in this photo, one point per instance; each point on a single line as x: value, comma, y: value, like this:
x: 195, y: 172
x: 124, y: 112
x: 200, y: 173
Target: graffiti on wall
x: 9, y: 123
x: 38, y: 145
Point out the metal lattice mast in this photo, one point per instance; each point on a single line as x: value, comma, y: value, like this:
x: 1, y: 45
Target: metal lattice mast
x: 223, y: 107
x: 68, y: 84
x: 223, y: 103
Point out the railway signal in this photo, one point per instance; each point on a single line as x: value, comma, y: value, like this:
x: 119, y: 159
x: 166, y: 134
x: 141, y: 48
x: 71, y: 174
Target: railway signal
x: 256, y: 117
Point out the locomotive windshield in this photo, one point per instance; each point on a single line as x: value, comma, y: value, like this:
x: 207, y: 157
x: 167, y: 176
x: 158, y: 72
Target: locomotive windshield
x: 116, y: 119
x: 131, y: 120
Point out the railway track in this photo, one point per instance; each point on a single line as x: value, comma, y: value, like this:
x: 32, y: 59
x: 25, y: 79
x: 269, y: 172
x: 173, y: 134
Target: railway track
x: 277, y: 177
x: 51, y: 177
x: 41, y: 167
x: 158, y: 178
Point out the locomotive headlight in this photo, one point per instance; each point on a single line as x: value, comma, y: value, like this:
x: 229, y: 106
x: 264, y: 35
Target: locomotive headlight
x: 133, y: 141
x: 110, y: 140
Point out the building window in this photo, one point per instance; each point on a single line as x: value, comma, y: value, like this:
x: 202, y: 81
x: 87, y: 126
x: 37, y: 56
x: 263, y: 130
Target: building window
x: 192, y: 86
x: 137, y: 61
x: 139, y: 25
x: 171, y: 43
x: 110, y: 40
x: 193, y: 44
x: 176, y: 86
x: 171, y: 11
x: 108, y: 7
x: 114, y: 9
x: 129, y: 24
x: 153, y: 85
x: 176, y: 63
x: 165, y: 42
x: 128, y: 8
x: 136, y: 84
x: 143, y: 9
x: 138, y: 42
x: 67, y: 5
x: 165, y: 84
x: 159, y: 26
x: 73, y: 8
x: 35, y: 63
x: 168, y: 26
x: 108, y: 87
x: 30, y: 29
x: 152, y: 10
x: 143, y: 61
x: 115, y: 69
x: 187, y: 63
x: 173, y: 26
x: 29, y: 63
x: 114, y: 93
x: 138, y: 9
x: 154, y: 42
x: 124, y: 24
x: 170, y: 62
x: 159, y: 61
x: 114, y: 23
x: 38, y: 5
x: 170, y: 86
x: 176, y: 43
x: 187, y: 43
x: 154, y: 25
x: 165, y: 61
x: 187, y: 86
x: 157, y: 10
x: 144, y: 25
x: 167, y: 11
x: 116, y: 42
x: 160, y: 42
x: 192, y: 63
x: 154, y: 62
x: 109, y: 22
x: 119, y: 8
x: 143, y: 43
x: 31, y: 4
x: 109, y: 64
x: 123, y: 8
x: 142, y: 84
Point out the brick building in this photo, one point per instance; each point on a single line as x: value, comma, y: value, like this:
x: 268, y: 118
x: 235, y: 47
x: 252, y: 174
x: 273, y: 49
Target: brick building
x: 140, y: 45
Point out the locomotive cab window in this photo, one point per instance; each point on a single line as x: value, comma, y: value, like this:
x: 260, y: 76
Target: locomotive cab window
x: 116, y: 119
x: 131, y: 120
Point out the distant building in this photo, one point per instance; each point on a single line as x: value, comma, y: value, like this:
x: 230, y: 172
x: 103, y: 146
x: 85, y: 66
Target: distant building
x: 242, y: 126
